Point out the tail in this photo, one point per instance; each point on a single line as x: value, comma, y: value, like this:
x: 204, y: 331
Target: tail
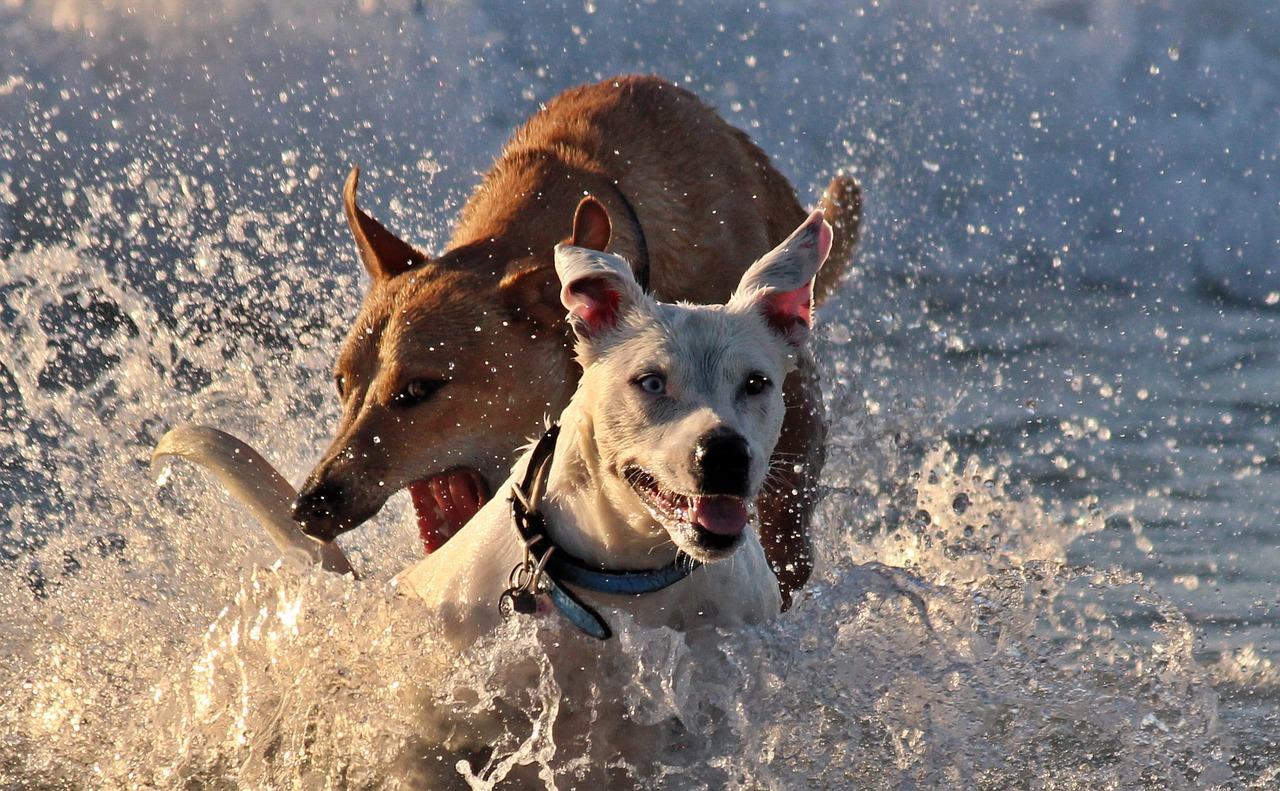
x: 842, y: 207
x: 254, y: 482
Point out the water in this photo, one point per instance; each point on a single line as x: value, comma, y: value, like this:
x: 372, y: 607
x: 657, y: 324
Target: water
x: 1048, y: 552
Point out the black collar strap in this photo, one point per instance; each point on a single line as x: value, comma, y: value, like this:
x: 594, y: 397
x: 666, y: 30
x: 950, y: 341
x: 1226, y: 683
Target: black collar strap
x: 546, y: 565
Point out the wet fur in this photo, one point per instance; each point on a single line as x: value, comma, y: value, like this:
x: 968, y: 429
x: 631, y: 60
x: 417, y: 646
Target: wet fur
x: 690, y: 198
x: 704, y: 354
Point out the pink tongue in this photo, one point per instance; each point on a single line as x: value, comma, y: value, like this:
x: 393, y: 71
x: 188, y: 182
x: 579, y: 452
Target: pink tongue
x: 446, y: 502
x: 726, y: 516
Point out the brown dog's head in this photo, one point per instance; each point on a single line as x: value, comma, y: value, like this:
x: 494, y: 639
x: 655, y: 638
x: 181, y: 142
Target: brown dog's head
x: 451, y: 364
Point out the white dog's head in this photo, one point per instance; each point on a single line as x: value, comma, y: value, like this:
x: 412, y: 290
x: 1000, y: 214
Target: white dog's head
x: 684, y: 402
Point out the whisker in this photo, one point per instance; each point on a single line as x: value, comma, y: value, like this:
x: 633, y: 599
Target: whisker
x: 664, y: 545
x: 776, y: 478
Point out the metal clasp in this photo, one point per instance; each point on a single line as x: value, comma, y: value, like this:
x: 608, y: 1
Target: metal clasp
x: 525, y: 582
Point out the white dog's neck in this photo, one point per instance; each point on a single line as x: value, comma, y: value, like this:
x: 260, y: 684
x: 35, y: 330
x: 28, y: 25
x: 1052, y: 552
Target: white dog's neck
x: 591, y: 512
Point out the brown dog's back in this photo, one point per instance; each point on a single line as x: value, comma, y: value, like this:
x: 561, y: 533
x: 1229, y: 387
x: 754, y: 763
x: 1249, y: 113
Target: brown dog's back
x: 706, y: 198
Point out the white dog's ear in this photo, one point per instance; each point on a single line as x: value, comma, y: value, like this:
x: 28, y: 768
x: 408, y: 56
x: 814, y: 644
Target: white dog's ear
x: 780, y: 284
x: 596, y: 288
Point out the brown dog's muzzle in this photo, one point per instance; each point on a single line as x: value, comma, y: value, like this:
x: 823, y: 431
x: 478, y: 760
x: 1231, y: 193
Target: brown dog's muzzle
x: 322, y: 510
x: 443, y: 503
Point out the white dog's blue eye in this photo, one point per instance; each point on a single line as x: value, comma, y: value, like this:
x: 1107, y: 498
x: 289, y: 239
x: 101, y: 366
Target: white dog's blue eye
x: 756, y: 384
x: 652, y: 384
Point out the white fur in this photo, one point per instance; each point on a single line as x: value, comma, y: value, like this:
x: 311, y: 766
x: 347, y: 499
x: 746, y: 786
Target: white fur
x: 703, y: 354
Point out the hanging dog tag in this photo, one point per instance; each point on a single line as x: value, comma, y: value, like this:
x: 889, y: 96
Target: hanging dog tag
x: 517, y: 600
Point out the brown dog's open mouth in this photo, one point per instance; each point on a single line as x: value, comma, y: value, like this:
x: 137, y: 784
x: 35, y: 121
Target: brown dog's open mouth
x: 445, y: 502
x: 716, y: 521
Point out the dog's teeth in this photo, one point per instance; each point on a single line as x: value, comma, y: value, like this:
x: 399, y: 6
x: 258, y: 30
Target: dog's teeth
x: 445, y: 502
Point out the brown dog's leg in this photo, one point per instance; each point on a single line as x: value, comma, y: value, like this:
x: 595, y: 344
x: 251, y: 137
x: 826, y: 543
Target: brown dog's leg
x: 787, y: 502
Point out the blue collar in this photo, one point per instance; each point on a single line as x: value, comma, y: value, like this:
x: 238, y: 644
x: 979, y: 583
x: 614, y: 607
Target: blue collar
x: 546, y: 566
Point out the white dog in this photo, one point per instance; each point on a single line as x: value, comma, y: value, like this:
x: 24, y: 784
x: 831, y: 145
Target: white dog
x: 638, y: 501
x: 640, y: 498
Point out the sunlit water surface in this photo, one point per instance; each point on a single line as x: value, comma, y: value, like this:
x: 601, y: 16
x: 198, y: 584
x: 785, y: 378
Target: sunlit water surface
x: 1047, y: 555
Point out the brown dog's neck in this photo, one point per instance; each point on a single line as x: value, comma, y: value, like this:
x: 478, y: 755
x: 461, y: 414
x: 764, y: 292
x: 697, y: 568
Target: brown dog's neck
x: 506, y: 216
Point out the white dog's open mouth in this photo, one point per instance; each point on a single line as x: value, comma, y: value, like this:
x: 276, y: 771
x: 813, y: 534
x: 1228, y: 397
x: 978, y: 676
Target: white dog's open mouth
x: 713, y: 522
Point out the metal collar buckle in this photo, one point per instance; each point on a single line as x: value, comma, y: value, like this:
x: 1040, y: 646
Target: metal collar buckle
x: 545, y: 564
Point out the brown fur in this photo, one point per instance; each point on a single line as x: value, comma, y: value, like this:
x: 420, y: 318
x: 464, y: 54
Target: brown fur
x: 690, y: 202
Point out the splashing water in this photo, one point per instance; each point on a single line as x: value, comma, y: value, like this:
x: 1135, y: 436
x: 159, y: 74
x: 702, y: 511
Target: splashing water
x: 995, y: 603
x: 945, y: 643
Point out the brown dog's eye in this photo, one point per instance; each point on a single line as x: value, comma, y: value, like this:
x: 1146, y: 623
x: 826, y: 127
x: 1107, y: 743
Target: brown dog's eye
x: 417, y: 391
x: 756, y: 384
x: 340, y: 382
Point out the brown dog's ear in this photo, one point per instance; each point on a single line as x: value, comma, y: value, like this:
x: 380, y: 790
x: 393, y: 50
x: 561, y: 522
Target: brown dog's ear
x: 842, y: 207
x: 532, y: 293
x: 383, y: 253
x: 591, y: 227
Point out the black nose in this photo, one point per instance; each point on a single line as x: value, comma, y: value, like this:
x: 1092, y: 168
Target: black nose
x: 722, y: 463
x: 316, y: 510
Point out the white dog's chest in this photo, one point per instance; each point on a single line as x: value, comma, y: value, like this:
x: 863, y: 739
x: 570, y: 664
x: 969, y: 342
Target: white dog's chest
x: 464, y: 580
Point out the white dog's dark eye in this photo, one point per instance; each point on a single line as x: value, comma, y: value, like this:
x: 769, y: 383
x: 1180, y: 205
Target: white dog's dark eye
x: 417, y: 391
x: 652, y: 384
x: 756, y: 384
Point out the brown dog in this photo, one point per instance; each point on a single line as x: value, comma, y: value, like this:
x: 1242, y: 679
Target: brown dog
x: 454, y: 361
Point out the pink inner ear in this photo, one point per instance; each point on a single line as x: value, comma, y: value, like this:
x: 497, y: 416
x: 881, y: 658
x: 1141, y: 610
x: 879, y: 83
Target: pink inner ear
x: 789, y: 309
x: 594, y: 302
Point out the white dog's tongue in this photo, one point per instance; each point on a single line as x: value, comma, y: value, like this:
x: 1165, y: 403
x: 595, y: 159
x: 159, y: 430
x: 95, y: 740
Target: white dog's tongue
x: 446, y: 502
x: 726, y: 516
